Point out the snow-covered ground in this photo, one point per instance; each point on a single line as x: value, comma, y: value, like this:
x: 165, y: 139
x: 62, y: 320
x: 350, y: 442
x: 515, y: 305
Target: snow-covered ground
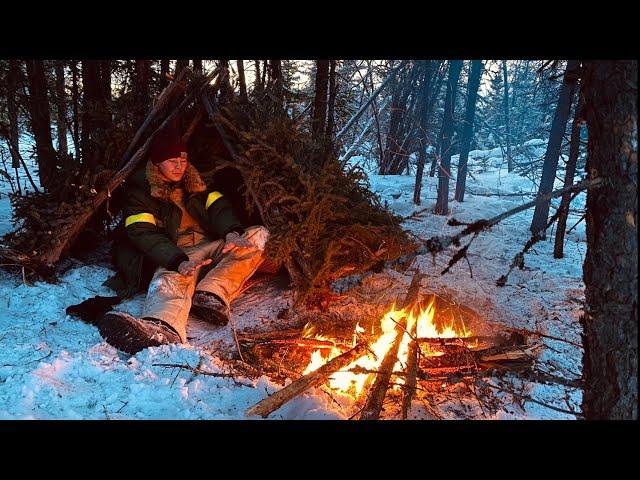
x: 54, y: 366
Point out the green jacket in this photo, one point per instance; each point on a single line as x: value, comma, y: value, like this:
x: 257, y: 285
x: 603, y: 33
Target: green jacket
x: 147, y: 237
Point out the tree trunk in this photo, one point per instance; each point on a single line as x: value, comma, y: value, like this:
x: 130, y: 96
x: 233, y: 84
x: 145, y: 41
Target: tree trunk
x: 277, y: 83
x: 442, y: 204
x: 197, y: 66
x: 164, y: 70
x: 75, y: 101
x: 91, y: 112
x: 574, y: 151
x: 61, y: 108
x: 332, y: 99
x: 432, y: 102
x: 105, y: 80
x: 318, y: 125
x: 143, y: 99
x: 610, y: 365
x: 180, y: 65
x: 507, y: 119
x: 426, y: 85
x: 257, y: 83
x: 12, y: 111
x: 467, y: 133
x: 558, y: 127
x: 41, y: 123
x: 242, y: 82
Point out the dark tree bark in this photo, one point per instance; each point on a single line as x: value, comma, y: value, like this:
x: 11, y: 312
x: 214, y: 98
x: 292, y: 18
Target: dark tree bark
x: 467, y: 133
x: 401, y: 121
x: 257, y: 83
x: 226, y: 90
x: 331, y: 107
x: 442, y: 204
x: 507, y: 116
x: 164, y: 70
x: 92, y: 109
x: 12, y: 111
x: 558, y: 126
x: 197, y: 66
x: 75, y: 102
x: 41, y: 123
x: 318, y: 125
x: 277, y: 85
x: 610, y: 366
x: 242, y: 82
x: 61, y: 108
x: 142, y: 96
x: 440, y: 81
x: 180, y: 65
x: 428, y: 66
x: 574, y: 151
x: 105, y: 80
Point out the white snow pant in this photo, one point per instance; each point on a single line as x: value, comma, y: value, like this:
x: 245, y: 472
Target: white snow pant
x: 169, y: 295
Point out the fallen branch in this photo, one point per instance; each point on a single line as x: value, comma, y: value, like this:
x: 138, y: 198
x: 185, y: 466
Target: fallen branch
x: 317, y: 377
x: 435, y: 245
x: 202, y: 372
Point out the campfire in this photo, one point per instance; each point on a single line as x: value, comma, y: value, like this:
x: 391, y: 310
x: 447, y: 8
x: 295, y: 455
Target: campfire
x: 359, y: 374
x: 409, y: 344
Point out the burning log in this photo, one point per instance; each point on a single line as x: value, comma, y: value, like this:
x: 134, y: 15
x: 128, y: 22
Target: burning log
x: 412, y: 372
x: 378, y: 391
x: 317, y: 377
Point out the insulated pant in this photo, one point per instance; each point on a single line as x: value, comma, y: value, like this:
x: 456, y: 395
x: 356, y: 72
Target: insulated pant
x: 169, y: 295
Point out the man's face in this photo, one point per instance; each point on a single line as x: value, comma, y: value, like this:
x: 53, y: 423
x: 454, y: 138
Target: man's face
x: 173, y: 168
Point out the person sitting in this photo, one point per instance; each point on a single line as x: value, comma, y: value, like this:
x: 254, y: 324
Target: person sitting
x: 187, y: 240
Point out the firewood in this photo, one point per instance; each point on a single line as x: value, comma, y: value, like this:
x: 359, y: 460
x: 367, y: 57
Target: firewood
x: 250, y: 337
x: 317, y: 377
x: 378, y: 391
x: 310, y: 343
x: 412, y: 370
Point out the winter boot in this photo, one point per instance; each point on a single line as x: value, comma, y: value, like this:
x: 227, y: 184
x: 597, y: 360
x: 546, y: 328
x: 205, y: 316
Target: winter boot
x: 130, y: 334
x: 209, y: 307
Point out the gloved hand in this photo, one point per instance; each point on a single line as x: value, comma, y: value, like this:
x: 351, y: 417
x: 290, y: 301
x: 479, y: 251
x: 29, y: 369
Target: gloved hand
x: 189, y: 268
x: 233, y: 240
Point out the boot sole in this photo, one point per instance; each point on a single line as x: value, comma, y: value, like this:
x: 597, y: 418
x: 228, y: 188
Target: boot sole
x: 210, y: 315
x: 125, y: 334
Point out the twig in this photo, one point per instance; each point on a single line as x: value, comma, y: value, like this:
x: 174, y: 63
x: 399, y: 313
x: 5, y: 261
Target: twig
x: 201, y: 372
x: 527, y: 398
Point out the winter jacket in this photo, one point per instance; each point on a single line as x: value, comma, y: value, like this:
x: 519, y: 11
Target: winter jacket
x: 147, y: 238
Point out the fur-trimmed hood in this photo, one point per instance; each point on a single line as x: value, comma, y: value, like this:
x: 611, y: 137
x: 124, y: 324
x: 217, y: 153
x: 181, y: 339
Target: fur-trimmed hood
x: 160, y: 188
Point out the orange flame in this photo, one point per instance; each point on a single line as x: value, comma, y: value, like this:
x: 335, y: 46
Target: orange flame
x: 421, y: 324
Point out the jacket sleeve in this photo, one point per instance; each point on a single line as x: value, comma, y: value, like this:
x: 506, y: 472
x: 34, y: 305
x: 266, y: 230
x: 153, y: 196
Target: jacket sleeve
x: 221, y: 215
x: 142, y: 229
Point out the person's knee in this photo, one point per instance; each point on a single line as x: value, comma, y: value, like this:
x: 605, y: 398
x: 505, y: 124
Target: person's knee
x: 258, y: 235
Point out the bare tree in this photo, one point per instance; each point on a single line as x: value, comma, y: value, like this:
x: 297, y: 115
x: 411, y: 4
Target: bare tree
x: 41, y: 123
x: 558, y: 126
x: 467, y: 133
x: 318, y: 122
x: 442, y: 204
x: 507, y: 116
x: 241, y: 81
x: 574, y: 151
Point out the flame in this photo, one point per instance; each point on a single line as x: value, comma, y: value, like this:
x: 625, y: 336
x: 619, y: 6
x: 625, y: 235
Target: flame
x: 421, y: 324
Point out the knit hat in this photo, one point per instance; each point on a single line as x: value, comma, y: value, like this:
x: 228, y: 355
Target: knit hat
x: 167, y: 144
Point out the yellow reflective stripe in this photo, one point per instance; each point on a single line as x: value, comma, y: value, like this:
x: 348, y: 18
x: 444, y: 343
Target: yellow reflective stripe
x: 212, y: 197
x: 140, y: 217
